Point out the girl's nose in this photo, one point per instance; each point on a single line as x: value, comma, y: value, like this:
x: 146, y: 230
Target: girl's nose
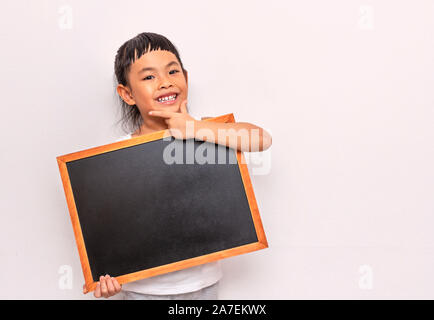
x: 165, y: 83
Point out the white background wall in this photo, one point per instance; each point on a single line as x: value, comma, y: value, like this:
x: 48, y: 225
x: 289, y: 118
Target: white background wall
x: 345, y: 87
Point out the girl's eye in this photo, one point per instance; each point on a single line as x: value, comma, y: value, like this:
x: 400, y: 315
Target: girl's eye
x: 147, y: 78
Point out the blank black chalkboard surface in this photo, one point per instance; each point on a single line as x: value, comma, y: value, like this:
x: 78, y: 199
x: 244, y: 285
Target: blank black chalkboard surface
x: 145, y: 206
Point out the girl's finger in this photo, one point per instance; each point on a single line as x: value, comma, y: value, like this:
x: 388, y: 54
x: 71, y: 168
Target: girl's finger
x: 184, y: 106
x: 84, y: 289
x: 104, y: 291
x: 110, y: 286
x: 162, y: 114
x: 116, y: 284
x: 97, y: 292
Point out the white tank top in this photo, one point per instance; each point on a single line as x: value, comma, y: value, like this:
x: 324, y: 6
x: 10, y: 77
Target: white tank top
x: 177, y: 282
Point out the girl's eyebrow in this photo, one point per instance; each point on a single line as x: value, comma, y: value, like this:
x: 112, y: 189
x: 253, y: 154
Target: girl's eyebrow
x: 150, y: 68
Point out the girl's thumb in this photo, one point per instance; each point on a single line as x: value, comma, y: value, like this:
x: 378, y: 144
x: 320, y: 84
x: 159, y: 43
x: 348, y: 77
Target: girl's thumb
x: 184, y: 106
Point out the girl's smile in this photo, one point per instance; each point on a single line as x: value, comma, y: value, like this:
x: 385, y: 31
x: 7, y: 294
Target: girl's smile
x: 169, y: 98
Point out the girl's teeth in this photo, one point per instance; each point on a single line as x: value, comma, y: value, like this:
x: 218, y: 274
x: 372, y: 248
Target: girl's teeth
x: 167, y: 98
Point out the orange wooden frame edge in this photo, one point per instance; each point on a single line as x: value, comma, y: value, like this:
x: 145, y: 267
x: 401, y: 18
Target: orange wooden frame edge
x: 89, y: 282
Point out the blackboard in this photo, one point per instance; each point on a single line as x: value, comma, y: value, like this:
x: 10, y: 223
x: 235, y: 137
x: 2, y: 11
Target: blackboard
x: 151, y: 205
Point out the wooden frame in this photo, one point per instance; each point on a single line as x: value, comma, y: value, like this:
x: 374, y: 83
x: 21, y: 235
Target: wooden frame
x: 89, y: 283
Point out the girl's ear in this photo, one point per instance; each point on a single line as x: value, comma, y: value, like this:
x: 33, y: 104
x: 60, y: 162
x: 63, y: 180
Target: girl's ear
x: 125, y: 94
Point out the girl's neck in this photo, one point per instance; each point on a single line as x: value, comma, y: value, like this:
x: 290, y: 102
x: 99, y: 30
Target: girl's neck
x: 149, y: 126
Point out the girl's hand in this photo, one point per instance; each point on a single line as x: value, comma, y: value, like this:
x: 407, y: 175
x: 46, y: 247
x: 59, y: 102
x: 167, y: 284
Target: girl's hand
x: 106, y: 287
x: 177, y: 121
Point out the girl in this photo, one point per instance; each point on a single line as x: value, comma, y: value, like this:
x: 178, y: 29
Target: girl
x: 152, y: 87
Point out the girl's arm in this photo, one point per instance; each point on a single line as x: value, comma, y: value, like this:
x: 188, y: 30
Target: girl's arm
x: 242, y: 136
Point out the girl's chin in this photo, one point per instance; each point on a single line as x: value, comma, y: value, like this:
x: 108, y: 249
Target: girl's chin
x: 170, y: 107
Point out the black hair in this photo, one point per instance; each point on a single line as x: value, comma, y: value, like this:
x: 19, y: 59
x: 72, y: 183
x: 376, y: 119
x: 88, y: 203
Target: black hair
x: 126, y: 55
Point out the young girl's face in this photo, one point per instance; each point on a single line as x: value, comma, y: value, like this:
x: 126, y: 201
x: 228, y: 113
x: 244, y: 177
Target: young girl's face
x: 157, y: 73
